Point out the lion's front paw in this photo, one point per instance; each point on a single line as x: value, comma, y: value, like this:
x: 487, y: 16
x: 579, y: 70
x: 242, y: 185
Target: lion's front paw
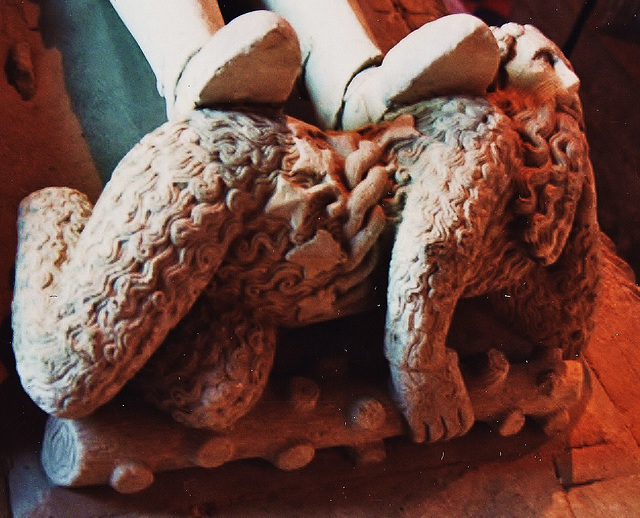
x: 434, y: 402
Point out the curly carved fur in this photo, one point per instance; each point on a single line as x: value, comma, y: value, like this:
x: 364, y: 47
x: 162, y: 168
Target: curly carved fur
x: 500, y: 202
x: 247, y: 214
x: 134, y: 270
x: 215, y: 231
x: 509, y: 190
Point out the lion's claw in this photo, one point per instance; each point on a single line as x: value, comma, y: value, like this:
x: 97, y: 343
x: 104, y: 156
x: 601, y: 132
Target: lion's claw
x: 432, y: 427
x: 435, y: 402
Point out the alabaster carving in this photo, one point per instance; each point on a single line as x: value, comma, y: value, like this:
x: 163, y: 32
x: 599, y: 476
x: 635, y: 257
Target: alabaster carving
x: 293, y: 419
x: 458, y: 55
x: 218, y: 230
x: 201, y: 62
x: 198, y: 60
x: 236, y: 222
x: 452, y: 54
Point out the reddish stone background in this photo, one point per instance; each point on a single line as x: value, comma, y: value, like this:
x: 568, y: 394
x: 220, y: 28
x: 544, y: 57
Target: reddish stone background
x: 84, y: 95
x: 41, y: 141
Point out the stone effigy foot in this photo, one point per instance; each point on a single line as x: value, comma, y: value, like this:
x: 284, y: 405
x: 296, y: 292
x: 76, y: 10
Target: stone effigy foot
x: 454, y: 54
x: 198, y: 60
x: 254, y: 59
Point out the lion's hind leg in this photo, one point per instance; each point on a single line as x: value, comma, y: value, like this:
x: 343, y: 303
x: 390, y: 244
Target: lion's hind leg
x: 212, y: 368
x: 554, y: 307
x: 553, y: 310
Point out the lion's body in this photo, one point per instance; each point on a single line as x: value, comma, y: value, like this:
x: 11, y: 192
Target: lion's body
x: 208, y: 239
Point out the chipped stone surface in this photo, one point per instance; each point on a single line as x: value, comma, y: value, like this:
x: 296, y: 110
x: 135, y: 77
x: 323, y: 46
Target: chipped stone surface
x: 593, y: 463
x: 460, y: 55
x: 615, y: 497
x: 318, y: 255
x: 199, y: 60
x: 185, y: 27
x: 349, y: 39
x: 601, y: 445
x: 613, y: 351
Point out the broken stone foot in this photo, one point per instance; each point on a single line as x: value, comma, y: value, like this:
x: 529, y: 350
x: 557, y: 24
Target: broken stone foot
x: 254, y: 59
x: 456, y: 54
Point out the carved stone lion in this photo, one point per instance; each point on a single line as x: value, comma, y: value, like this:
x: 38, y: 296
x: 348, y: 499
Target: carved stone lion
x: 501, y: 203
x: 212, y: 233
x: 216, y: 231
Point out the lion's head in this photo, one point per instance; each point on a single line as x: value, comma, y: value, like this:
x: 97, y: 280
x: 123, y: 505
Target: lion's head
x: 538, y: 90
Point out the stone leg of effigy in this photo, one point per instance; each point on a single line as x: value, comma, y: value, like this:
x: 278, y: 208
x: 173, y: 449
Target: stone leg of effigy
x: 352, y: 83
x: 200, y: 61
